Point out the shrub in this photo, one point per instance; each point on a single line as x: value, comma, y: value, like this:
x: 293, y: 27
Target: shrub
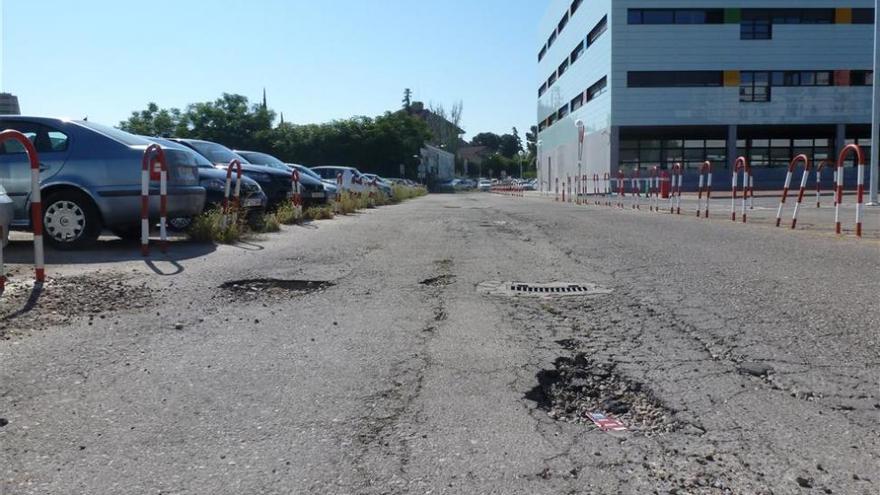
x: 209, y: 227
x: 286, y: 214
x: 319, y: 213
x: 270, y: 223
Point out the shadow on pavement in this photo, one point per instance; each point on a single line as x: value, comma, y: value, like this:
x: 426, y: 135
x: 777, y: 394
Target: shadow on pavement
x: 109, y: 250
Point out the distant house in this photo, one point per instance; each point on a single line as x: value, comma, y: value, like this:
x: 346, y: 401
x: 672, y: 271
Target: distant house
x: 473, y: 156
x: 437, y: 163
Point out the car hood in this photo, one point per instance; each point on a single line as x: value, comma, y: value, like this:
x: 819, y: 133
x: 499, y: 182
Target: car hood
x: 206, y: 173
x: 250, y: 167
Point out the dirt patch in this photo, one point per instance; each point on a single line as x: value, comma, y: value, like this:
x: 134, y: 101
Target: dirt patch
x: 273, y: 288
x: 578, y: 386
x: 24, y: 306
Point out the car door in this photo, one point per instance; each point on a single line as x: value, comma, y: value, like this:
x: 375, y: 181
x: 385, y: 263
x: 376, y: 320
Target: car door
x: 52, y: 147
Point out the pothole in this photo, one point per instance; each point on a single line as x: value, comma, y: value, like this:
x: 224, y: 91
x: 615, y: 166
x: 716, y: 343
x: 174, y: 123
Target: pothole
x: 272, y: 287
x: 438, y: 281
x: 553, y: 289
x: 578, y: 386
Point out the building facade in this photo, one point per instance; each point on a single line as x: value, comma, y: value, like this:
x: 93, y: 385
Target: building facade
x: 658, y: 82
x: 9, y: 104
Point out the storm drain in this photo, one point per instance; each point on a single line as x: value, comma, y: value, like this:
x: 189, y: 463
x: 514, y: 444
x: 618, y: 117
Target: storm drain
x: 553, y: 289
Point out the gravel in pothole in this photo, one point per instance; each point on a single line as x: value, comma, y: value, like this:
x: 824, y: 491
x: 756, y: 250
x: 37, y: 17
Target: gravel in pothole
x: 22, y: 307
x: 578, y: 386
x: 273, y: 288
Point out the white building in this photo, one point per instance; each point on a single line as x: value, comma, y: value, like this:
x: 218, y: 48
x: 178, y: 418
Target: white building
x: 437, y: 162
x: 658, y: 82
x: 9, y: 104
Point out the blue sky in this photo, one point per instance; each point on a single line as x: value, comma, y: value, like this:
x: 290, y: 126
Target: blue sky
x: 318, y: 59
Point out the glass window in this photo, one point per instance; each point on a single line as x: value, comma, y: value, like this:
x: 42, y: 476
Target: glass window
x: 551, y: 80
x: 57, y: 141
x: 778, y: 78
x: 649, y: 155
x: 597, y: 89
x: 574, y: 6
x: 716, y: 143
x: 673, y: 143
x: 690, y: 16
x: 542, y: 89
x: 577, y: 52
x: 562, y: 23
x: 863, y: 16
x: 695, y: 143
x: 757, y: 29
x: 658, y: 16
x: 634, y: 16
x: 597, y: 31
x: 542, y: 53
x: 808, y: 78
x: 562, y: 112
x: 551, y: 40
x: 562, y: 68
x: 577, y: 102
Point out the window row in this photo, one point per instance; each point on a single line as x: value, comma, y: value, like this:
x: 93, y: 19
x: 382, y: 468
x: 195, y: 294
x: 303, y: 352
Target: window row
x: 675, y: 16
x: 699, y: 78
x: 691, y: 153
x: 593, y: 92
x: 559, y: 27
x: 576, y: 54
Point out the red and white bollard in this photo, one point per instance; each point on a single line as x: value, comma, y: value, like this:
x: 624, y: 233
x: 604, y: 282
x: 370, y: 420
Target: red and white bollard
x: 635, y: 190
x: 296, y: 199
x: 339, y: 192
x: 675, y: 184
x: 819, y: 169
x: 607, y: 184
x: 154, y: 155
x: 230, y: 209
x: 557, y: 189
x: 860, y: 186
x: 654, y: 188
x: 705, y: 187
x: 741, y: 164
x: 787, y: 186
x: 36, y: 208
x: 621, y: 191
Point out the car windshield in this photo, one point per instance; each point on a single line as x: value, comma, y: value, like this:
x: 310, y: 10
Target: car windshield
x: 216, y: 153
x: 123, y: 137
x: 257, y: 158
x: 307, y: 171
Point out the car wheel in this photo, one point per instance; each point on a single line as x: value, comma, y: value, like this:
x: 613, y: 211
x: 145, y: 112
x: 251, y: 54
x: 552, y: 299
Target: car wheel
x: 180, y: 224
x: 70, y: 220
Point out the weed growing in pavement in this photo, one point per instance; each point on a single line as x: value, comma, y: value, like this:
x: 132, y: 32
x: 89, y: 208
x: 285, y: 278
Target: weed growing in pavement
x: 286, y: 214
x: 209, y: 227
x: 270, y: 223
x: 402, y: 193
x: 319, y: 213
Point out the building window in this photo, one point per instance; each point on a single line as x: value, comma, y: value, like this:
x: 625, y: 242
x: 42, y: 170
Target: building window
x: 754, y: 86
x: 577, y: 102
x: 551, y: 40
x: 691, y: 153
x: 597, y: 31
x: 542, y: 90
x: 577, y: 52
x: 551, y: 80
x: 802, y: 78
x: 861, y: 78
x: 574, y: 6
x: 755, y: 29
x: 551, y: 119
x: 597, y: 89
x: 675, y: 16
x: 562, y: 23
x: 863, y: 16
x: 674, y: 79
x: 542, y: 125
x: 542, y: 53
x: 562, y: 68
x: 562, y: 112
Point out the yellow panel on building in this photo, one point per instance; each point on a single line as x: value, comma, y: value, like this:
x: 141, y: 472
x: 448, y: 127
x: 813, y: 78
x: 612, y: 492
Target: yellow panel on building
x: 843, y: 16
x: 731, y: 78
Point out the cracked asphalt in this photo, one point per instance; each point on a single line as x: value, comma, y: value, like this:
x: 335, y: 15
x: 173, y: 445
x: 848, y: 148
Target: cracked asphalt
x: 756, y: 350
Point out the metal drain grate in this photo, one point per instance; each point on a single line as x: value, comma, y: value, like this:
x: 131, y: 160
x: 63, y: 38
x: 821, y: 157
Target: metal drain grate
x: 555, y: 289
x: 550, y: 288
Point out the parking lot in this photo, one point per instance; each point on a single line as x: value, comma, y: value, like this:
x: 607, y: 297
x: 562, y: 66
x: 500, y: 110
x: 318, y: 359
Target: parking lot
x: 366, y: 355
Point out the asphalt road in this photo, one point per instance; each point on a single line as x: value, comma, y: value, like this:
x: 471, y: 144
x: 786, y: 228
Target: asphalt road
x: 742, y: 359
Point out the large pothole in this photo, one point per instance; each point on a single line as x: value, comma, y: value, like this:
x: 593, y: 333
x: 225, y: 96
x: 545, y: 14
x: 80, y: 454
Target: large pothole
x: 273, y: 287
x: 578, y: 387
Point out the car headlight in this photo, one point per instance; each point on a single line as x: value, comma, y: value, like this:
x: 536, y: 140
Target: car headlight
x: 258, y: 176
x: 214, y: 184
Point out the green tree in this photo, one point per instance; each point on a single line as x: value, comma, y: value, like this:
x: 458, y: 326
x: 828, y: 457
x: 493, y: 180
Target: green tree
x: 156, y: 122
x: 490, y: 140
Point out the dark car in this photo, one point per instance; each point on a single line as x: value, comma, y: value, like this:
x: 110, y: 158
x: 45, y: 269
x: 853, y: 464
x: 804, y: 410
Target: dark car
x: 313, y: 190
x: 275, y: 183
x: 253, y: 200
x: 90, y: 178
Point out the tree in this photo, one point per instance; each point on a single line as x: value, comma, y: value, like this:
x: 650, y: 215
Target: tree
x: 407, y: 99
x: 510, y: 145
x: 156, y: 122
x: 532, y: 141
x: 490, y: 140
x: 445, y: 125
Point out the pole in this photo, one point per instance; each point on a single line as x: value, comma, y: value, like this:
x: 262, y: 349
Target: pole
x: 875, y: 120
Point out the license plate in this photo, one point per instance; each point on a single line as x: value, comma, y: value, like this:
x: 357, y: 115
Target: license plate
x: 317, y: 195
x: 251, y: 202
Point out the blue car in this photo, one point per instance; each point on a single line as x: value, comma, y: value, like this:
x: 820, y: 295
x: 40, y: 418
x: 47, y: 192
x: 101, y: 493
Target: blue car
x: 90, y: 179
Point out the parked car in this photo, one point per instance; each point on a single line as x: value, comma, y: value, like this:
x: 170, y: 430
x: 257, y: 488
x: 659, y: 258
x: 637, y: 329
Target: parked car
x: 275, y: 183
x: 329, y: 189
x: 311, y: 186
x: 90, y: 179
x: 381, y: 183
x: 484, y: 185
x: 253, y: 200
x: 352, y: 179
x: 7, y: 213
